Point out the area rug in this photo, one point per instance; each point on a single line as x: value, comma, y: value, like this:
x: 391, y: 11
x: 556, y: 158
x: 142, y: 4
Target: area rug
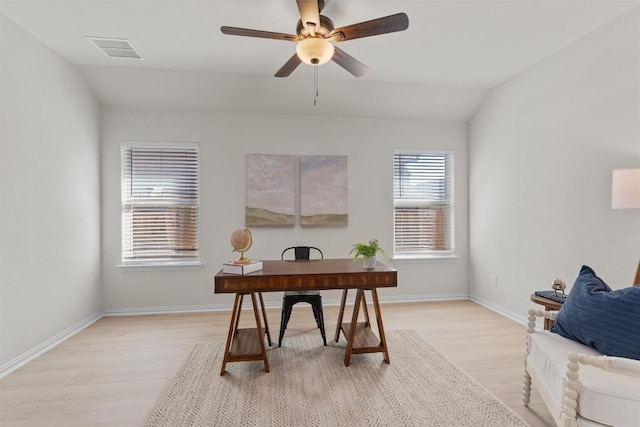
x: 309, y: 386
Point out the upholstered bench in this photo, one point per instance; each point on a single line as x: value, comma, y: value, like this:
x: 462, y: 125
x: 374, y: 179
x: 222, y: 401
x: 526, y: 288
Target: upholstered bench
x: 587, y: 366
x: 579, y: 386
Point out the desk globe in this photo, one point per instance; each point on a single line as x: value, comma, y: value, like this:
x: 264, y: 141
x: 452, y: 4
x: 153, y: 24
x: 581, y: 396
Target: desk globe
x: 241, y: 241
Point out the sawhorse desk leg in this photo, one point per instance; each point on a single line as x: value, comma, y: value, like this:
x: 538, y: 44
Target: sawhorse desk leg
x: 360, y: 338
x: 246, y: 344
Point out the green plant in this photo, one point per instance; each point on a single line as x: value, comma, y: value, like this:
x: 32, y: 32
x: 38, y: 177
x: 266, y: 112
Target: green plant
x: 367, y: 250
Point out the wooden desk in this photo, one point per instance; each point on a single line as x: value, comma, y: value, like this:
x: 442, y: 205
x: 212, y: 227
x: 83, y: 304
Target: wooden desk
x: 548, y: 304
x: 304, y: 275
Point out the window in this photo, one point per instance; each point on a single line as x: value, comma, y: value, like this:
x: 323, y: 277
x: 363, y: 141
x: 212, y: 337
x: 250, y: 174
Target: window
x: 423, y: 203
x: 160, y: 203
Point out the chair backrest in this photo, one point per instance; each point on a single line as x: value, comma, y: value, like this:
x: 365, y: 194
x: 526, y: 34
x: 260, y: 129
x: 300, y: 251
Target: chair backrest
x: 302, y: 252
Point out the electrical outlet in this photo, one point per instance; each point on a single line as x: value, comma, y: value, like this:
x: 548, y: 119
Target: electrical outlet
x: 494, y: 280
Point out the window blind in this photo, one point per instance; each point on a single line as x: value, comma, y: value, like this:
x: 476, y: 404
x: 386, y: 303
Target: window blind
x: 160, y: 203
x: 423, y: 203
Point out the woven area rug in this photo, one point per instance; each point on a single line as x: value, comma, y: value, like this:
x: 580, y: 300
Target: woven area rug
x: 309, y: 386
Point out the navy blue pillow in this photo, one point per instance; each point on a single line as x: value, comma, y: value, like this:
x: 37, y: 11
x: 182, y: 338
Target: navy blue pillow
x: 606, y: 320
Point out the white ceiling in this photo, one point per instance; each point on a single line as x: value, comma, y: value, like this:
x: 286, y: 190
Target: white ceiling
x: 441, y: 67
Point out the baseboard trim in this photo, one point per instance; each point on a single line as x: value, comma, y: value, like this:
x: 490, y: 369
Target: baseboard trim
x: 518, y: 318
x: 424, y: 298
x: 143, y: 311
x: 47, y: 345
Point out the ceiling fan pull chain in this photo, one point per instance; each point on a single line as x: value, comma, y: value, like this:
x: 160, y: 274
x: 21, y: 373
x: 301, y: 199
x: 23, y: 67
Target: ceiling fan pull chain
x: 315, y: 85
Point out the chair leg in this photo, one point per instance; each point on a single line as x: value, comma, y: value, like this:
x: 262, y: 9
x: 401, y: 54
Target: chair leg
x: 316, y: 315
x: 321, y: 325
x: 285, y: 315
x: 284, y: 320
x: 316, y: 305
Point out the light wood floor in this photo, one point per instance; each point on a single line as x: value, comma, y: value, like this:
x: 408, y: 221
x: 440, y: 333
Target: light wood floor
x: 111, y: 373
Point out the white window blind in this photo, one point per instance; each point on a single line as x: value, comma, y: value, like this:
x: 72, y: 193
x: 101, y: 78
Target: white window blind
x: 423, y: 203
x: 160, y: 203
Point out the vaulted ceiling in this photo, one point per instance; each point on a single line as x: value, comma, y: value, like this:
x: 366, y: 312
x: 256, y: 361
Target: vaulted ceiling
x: 453, y: 52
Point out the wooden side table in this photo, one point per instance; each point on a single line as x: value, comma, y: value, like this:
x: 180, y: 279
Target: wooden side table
x: 549, y: 305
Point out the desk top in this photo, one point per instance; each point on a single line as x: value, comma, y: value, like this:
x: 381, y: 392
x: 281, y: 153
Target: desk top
x: 303, y: 275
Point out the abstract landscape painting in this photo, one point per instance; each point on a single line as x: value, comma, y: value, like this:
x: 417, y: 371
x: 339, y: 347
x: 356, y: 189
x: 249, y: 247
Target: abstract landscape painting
x: 271, y: 190
x: 323, y: 191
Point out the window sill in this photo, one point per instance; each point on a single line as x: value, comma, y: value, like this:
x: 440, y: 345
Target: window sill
x: 401, y: 258
x: 196, y: 265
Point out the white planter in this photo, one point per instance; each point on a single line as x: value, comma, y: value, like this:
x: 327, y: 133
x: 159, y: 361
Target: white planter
x: 370, y: 263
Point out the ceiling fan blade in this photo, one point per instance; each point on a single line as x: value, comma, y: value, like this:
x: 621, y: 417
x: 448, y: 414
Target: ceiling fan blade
x: 349, y: 63
x: 289, y: 66
x: 309, y: 14
x: 234, y: 31
x: 387, y: 24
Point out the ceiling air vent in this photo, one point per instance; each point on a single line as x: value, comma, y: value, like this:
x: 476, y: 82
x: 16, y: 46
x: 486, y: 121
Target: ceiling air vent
x: 115, y: 48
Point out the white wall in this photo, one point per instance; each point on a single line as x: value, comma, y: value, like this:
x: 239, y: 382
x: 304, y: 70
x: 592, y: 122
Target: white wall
x: 50, y: 197
x: 542, y: 148
x: 224, y: 140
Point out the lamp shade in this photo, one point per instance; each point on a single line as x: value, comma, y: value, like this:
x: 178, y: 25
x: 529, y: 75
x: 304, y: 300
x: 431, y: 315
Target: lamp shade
x: 625, y: 189
x: 314, y: 50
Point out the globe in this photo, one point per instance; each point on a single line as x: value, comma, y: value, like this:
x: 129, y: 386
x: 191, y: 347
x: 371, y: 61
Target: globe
x: 241, y: 241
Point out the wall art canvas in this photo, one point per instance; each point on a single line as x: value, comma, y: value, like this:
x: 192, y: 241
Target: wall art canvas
x: 271, y: 190
x: 323, y: 191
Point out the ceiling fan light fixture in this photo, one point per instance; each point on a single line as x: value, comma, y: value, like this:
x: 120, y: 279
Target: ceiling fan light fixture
x: 314, y: 50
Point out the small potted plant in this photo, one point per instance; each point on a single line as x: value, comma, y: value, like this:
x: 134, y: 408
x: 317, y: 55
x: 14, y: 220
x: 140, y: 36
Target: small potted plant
x: 368, y: 252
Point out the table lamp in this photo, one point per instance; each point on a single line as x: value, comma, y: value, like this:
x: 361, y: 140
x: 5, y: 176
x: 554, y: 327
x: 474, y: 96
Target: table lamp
x: 625, y: 194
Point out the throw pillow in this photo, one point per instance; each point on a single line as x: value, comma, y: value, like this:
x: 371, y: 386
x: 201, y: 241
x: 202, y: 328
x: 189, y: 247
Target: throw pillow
x: 599, y: 317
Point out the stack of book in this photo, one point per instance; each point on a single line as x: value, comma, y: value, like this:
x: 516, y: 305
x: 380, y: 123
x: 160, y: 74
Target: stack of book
x: 231, y: 268
x: 552, y: 295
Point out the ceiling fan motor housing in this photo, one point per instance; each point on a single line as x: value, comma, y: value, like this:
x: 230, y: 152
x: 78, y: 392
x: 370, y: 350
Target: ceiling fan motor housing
x: 313, y: 46
x: 326, y: 26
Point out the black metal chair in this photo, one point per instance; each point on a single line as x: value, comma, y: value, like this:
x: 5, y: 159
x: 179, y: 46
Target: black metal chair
x: 293, y: 297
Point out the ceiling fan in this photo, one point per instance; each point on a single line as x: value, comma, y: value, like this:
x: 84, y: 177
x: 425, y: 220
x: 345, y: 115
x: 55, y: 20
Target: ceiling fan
x: 315, y: 33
